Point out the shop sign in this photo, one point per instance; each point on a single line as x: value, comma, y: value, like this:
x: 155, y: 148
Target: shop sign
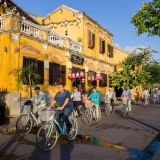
x: 77, y: 60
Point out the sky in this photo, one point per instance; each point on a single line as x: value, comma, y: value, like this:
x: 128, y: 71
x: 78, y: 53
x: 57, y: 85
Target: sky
x: 114, y: 15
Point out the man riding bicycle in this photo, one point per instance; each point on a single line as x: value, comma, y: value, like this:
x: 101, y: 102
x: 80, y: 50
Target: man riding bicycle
x: 39, y: 102
x: 66, y: 105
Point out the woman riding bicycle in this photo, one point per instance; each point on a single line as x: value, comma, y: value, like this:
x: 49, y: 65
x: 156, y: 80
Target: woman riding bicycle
x: 95, y: 97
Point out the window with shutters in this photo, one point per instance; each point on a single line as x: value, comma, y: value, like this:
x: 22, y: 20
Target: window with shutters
x: 115, y: 68
x: 101, y: 45
x: 92, y: 82
x: 57, y: 74
x: 103, y: 82
x: 38, y: 67
x: 110, y: 51
x: 91, y: 39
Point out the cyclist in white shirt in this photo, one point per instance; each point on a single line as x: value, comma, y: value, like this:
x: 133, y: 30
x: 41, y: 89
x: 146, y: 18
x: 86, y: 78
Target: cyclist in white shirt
x: 77, y: 99
x: 110, y: 94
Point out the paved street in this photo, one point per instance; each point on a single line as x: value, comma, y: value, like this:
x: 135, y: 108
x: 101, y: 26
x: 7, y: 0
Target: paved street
x: 112, y: 138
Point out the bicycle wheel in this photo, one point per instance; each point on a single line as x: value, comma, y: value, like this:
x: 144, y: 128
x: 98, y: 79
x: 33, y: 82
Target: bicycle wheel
x: 107, y: 111
x: 73, y: 133
x: 47, y: 136
x: 88, y: 117
x: 24, y: 124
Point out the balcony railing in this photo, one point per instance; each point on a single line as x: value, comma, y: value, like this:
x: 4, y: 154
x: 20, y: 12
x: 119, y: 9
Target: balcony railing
x: 76, y: 46
x: 1, y: 23
x: 30, y: 28
x: 55, y: 39
x: 40, y: 32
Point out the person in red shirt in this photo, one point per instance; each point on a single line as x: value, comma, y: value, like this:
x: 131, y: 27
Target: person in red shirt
x: 137, y: 96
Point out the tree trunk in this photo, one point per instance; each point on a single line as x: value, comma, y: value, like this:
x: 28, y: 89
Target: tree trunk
x: 30, y: 87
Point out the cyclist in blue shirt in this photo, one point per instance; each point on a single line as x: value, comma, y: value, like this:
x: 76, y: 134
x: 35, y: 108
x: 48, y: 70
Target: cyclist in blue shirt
x: 63, y: 98
x: 95, y: 97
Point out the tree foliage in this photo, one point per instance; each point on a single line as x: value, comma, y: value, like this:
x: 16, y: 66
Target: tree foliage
x: 154, y: 69
x: 133, y: 71
x: 27, y: 75
x: 147, y: 19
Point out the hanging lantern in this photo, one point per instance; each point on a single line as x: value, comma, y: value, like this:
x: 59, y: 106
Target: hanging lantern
x: 81, y: 74
x: 97, y: 78
x: 73, y: 75
x: 93, y: 79
x: 89, y: 78
x: 77, y: 75
x: 69, y: 75
x: 100, y: 78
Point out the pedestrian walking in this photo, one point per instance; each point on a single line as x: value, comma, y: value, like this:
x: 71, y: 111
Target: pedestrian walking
x: 127, y: 93
x: 146, y: 97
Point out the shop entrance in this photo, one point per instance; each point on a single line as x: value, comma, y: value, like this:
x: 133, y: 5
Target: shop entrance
x: 79, y: 79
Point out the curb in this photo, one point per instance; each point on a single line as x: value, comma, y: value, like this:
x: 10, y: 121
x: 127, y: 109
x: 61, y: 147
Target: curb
x: 7, y: 129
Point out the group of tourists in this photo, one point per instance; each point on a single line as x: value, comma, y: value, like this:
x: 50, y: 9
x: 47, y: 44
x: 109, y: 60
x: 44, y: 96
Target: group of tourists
x: 67, y: 102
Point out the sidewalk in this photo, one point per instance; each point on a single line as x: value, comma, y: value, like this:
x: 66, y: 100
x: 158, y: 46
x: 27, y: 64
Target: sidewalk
x: 9, y: 125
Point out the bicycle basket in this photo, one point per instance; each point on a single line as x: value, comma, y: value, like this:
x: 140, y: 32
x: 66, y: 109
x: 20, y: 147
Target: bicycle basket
x: 88, y: 104
x: 47, y: 115
x: 107, y: 100
x: 25, y: 109
x: 124, y: 100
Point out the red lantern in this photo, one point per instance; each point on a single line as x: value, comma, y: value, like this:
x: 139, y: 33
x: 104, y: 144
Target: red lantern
x: 81, y: 74
x: 100, y: 78
x: 69, y: 75
x: 77, y: 75
x: 97, y: 78
x: 73, y: 75
x: 93, y: 78
x: 89, y: 78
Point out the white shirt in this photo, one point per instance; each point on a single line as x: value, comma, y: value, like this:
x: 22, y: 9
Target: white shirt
x: 110, y: 94
x: 76, y: 96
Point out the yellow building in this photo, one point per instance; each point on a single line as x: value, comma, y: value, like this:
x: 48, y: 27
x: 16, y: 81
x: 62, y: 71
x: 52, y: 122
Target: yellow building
x: 64, y: 42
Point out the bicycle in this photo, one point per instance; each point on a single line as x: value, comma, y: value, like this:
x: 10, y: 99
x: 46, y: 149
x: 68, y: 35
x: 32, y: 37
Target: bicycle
x: 90, y: 114
x: 108, y: 107
x: 26, y: 121
x: 50, y: 130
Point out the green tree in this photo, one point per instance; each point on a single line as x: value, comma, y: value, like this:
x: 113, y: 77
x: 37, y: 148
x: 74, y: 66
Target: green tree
x: 154, y: 69
x: 147, y: 19
x: 27, y: 75
x: 132, y: 72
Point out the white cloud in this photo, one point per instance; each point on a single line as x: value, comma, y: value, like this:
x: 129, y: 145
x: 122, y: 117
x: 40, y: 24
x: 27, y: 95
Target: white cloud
x: 132, y: 49
x: 117, y: 45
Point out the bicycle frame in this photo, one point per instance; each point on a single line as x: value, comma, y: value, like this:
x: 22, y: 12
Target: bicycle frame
x: 108, y: 106
x: 62, y: 130
x: 33, y: 116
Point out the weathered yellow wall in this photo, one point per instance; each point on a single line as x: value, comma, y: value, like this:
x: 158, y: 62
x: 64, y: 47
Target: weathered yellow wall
x: 60, y: 15
x: 119, y: 55
x: 11, y: 60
